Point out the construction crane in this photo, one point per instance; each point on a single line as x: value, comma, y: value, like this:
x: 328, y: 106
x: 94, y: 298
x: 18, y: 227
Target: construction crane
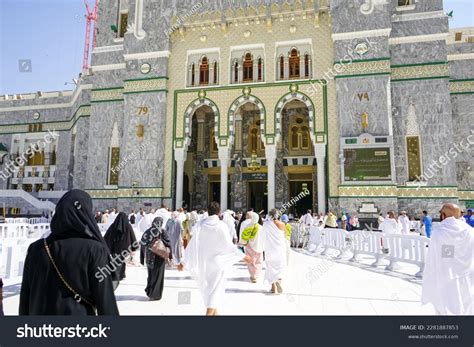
x: 91, y: 16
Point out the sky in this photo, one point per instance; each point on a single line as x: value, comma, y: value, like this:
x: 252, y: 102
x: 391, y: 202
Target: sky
x: 50, y: 34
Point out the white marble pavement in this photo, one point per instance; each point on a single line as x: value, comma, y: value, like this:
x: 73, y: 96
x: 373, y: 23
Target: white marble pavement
x: 313, y: 286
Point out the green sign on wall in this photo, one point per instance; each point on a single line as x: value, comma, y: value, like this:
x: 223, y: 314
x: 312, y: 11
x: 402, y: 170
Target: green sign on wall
x: 367, y: 164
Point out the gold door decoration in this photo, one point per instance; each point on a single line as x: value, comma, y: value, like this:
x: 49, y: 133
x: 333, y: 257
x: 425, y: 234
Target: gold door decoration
x: 114, y: 163
x: 414, y: 157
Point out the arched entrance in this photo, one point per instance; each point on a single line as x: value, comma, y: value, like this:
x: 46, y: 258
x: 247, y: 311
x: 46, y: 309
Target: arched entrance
x: 298, y: 154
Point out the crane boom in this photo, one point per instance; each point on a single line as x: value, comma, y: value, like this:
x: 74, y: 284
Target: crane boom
x: 91, y: 18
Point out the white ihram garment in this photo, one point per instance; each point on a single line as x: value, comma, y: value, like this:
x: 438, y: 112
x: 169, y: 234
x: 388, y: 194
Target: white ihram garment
x: 275, y: 251
x: 448, y: 277
x: 208, y: 256
x: 405, y: 223
x: 145, y: 222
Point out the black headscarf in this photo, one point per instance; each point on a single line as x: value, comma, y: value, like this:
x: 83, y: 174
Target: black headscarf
x: 153, y: 232
x: 120, y: 235
x: 74, y: 218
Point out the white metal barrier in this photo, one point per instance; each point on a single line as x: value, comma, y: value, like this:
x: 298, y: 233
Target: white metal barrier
x: 40, y: 220
x: 16, y: 220
x: 38, y: 230
x: 12, y: 256
x: 14, y: 230
x: 393, y: 247
x: 407, y: 249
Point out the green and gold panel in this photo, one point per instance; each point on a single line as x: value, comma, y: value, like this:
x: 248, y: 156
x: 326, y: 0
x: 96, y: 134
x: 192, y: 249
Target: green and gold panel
x: 420, y: 71
x: 114, y: 162
x: 414, y: 157
x: 82, y: 111
x: 461, y: 86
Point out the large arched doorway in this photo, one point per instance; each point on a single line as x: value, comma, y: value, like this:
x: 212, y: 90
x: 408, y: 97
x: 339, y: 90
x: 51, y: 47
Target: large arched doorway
x: 297, y: 152
x: 249, y: 171
x: 201, y: 163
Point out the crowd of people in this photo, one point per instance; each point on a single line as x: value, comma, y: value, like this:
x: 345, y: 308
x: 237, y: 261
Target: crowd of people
x: 74, y: 270
x: 61, y: 274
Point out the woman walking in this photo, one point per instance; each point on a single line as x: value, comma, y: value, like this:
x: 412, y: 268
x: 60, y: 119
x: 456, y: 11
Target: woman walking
x: 154, y: 263
x: 174, y: 232
x: 120, y: 238
x: 60, y: 275
x: 252, y: 240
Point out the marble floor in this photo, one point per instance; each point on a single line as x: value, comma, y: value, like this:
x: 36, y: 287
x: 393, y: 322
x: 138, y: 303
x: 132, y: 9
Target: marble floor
x: 314, y: 285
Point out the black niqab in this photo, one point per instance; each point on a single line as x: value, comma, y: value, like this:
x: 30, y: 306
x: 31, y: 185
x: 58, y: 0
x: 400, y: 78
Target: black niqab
x: 120, y: 235
x: 73, y: 217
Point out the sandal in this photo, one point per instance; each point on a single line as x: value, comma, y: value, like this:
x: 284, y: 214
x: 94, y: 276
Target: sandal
x: 279, y: 288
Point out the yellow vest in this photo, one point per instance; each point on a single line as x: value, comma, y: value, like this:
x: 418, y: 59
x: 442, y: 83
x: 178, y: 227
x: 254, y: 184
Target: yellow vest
x: 249, y: 233
x: 288, y: 231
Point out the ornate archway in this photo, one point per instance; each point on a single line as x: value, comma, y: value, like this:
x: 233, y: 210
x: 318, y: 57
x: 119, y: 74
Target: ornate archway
x: 188, y: 114
x: 290, y: 97
x: 240, y: 101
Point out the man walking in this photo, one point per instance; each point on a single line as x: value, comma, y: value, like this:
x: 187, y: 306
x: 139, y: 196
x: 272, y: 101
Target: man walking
x: 449, y: 270
x: 427, y: 222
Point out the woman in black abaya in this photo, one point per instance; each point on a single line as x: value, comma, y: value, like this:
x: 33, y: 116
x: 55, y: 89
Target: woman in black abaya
x: 81, y: 256
x: 121, y: 240
x: 155, y: 264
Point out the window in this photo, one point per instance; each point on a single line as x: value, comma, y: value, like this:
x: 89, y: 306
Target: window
x: 255, y: 139
x: 260, y: 70
x: 282, y: 68
x: 294, y: 138
x: 123, y: 24
x: 193, y: 74
x: 236, y: 72
x: 248, y: 68
x: 404, y: 2
x: 33, y: 128
x: 215, y: 73
x: 299, y: 138
x: 28, y: 188
x: 306, y: 65
x: 204, y: 72
x: 294, y: 64
x: 413, y: 157
x: 37, y: 157
x: 304, y: 137
x: 53, y: 157
x: 213, y: 144
x: 458, y: 36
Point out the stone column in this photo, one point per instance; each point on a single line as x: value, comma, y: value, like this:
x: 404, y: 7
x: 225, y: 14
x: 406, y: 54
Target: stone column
x: 286, y: 71
x: 200, y: 133
x: 224, y: 162
x: 320, y: 154
x: 211, y: 74
x: 302, y: 67
x: 270, y: 155
x: 240, y: 76
x: 180, y: 157
x: 255, y: 70
x: 310, y: 74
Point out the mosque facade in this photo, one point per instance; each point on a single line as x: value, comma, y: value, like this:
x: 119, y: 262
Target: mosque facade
x: 364, y: 106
